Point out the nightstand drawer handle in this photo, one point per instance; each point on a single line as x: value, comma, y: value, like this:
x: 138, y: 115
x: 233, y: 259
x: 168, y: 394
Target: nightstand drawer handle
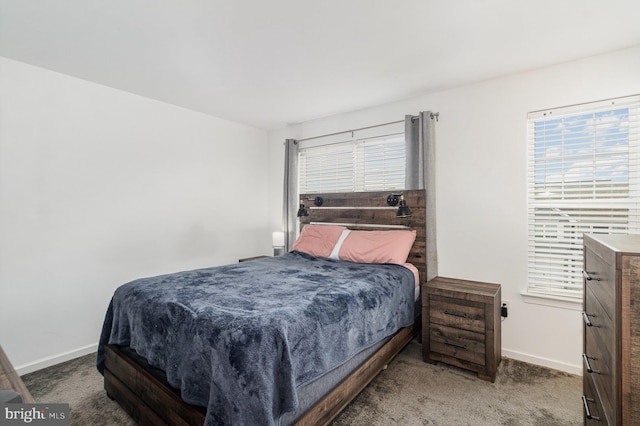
x: 587, y: 321
x: 587, y: 277
x: 455, y: 345
x: 455, y: 314
x: 587, y: 412
x: 586, y: 359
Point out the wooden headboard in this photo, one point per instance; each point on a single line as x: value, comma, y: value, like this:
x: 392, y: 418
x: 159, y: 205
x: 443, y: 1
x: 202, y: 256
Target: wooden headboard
x: 370, y: 211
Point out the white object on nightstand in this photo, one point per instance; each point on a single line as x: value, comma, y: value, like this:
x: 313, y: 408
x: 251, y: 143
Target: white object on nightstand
x: 277, y: 241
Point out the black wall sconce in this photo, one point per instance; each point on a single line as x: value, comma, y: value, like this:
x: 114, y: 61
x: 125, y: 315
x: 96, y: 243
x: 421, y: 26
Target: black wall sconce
x: 302, y: 211
x: 403, y: 209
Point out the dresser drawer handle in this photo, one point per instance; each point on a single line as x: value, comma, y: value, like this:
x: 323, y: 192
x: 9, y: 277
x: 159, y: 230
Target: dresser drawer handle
x: 455, y: 345
x: 588, y: 277
x: 587, y: 412
x: 455, y: 314
x: 586, y: 359
x: 587, y: 322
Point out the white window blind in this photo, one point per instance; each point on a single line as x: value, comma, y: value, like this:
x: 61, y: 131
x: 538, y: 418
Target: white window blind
x: 583, y: 177
x: 371, y: 164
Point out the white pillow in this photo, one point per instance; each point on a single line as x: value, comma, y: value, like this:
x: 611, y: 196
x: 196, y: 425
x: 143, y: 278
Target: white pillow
x: 336, y: 248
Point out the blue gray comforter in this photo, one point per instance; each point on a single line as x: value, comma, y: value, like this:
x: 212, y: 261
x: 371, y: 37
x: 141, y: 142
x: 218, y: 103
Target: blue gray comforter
x: 240, y: 339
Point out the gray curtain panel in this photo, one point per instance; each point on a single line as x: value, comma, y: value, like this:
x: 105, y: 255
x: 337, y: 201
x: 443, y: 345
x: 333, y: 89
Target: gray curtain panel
x: 421, y: 174
x: 290, y: 197
x: 414, y: 165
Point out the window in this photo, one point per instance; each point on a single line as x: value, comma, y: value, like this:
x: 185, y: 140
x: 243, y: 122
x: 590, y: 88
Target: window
x: 583, y: 177
x: 370, y: 164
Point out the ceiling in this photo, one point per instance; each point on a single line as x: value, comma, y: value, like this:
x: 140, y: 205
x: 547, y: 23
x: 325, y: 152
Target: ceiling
x: 271, y: 63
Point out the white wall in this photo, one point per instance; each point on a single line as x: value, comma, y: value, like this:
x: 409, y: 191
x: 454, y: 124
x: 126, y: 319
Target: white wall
x: 99, y: 187
x: 481, y: 184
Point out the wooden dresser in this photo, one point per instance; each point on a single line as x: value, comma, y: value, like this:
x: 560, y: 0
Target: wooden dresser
x: 461, y: 325
x: 611, y: 357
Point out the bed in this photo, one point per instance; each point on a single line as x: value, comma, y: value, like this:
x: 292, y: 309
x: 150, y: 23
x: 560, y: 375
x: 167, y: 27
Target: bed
x: 287, y: 340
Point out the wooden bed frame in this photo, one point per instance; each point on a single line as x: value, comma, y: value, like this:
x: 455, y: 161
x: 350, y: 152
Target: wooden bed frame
x: 151, y: 401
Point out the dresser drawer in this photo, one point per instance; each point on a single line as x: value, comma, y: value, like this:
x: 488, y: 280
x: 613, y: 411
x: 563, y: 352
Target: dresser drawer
x: 602, y: 283
x: 593, y: 414
x: 457, y: 343
x: 597, y: 321
x: 596, y: 357
x: 457, y: 313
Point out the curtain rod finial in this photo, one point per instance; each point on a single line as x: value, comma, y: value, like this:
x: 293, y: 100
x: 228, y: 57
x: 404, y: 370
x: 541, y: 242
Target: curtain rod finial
x: 435, y: 115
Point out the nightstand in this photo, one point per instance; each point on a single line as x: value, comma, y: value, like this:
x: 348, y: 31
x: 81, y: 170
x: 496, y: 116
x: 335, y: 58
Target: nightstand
x: 247, y: 259
x: 461, y: 325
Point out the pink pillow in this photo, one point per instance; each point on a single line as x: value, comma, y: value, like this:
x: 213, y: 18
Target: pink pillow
x: 318, y: 240
x: 377, y: 246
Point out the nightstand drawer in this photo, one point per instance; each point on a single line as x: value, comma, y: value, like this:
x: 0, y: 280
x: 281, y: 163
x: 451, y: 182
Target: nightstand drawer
x: 457, y: 343
x: 457, y: 313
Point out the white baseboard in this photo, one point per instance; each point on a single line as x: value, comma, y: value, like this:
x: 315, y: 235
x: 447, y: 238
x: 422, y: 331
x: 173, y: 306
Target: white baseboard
x: 50, y: 361
x: 549, y: 363
x: 67, y: 356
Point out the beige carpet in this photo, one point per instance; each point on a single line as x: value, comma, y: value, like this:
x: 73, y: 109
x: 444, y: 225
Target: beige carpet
x: 409, y: 392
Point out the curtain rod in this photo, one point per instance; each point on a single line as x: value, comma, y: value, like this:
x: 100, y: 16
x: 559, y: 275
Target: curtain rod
x: 350, y: 131
x: 433, y: 115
